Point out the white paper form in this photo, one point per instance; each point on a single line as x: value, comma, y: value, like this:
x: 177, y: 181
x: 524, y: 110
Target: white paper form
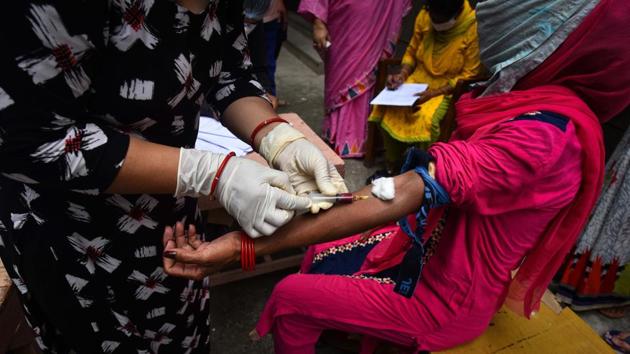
x: 405, y: 95
x: 215, y: 137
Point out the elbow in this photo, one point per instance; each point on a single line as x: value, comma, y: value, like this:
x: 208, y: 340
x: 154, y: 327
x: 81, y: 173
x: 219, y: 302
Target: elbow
x: 409, y: 190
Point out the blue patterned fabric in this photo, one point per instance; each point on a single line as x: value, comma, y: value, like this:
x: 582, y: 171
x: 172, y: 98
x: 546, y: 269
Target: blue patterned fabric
x: 434, y: 196
x: 344, y: 262
x: 546, y: 117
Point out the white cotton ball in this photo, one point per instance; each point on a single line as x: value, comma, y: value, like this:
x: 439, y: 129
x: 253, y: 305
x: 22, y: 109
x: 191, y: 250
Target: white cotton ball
x: 383, y: 188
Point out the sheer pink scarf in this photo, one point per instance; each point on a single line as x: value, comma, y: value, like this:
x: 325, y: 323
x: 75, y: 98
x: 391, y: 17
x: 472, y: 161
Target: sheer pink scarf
x: 594, y: 61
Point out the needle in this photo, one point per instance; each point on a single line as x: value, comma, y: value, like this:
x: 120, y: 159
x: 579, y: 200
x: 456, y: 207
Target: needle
x: 339, y: 198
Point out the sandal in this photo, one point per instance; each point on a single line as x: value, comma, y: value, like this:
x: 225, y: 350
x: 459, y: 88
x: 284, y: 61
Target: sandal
x: 609, y: 338
x: 613, y: 312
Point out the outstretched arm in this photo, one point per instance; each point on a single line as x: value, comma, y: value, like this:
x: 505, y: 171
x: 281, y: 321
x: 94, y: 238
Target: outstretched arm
x: 186, y: 256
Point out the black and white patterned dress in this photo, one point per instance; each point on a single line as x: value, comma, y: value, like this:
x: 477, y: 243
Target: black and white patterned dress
x: 76, y: 79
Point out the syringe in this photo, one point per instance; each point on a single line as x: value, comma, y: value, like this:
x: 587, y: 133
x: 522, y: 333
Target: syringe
x: 344, y: 198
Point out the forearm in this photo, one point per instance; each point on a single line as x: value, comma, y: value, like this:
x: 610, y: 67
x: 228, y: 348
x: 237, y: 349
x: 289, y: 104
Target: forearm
x: 148, y: 168
x: 152, y: 168
x: 406, y: 70
x: 245, y: 114
x: 444, y: 90
x: 345, y: 220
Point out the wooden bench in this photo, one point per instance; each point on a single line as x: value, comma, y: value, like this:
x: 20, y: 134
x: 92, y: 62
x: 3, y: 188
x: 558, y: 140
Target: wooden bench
x: 5, y: 283
x: 548, y: 332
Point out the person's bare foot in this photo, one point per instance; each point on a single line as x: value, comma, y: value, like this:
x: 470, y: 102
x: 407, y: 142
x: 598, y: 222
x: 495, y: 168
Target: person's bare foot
x: 254, y: 336
x: 620, y: 341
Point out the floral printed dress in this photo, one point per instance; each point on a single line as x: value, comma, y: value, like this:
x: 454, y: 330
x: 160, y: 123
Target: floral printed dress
x: 77, y: 79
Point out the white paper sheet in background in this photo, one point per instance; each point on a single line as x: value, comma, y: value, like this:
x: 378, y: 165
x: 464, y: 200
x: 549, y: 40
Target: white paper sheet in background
x: 403, y: 96
x: 215, y: 137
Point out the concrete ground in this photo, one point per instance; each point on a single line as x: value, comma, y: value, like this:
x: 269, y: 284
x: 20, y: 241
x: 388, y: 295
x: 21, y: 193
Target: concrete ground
x: 236, y: 306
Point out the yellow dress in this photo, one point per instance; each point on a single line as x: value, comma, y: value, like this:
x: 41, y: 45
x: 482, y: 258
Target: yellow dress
x: 438, y: 58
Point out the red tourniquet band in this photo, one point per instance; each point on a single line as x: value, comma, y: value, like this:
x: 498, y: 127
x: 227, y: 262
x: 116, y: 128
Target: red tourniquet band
x: 248, y: 254
x: 263, y: 124
x: 217, y: 175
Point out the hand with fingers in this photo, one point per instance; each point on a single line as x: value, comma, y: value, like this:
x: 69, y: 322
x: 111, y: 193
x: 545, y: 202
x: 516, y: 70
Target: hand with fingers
x: 424, y: 96
x: 185, y: 255
x: 320, y: 35
x: 395, y: 80
x: 260, y: 198
x: 288, y: 150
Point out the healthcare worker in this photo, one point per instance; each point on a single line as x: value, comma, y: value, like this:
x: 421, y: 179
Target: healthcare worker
x: 99, y: 106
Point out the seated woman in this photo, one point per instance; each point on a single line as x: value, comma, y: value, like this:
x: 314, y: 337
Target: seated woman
x: 444, y: 49
x: 522, y: 172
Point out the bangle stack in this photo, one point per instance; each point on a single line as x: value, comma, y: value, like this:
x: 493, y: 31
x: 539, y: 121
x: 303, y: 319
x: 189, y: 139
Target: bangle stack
x: 215, y: 180
x: 248, y: 254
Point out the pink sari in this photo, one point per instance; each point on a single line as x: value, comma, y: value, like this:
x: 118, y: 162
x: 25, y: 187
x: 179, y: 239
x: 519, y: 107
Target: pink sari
x: 362, y: 33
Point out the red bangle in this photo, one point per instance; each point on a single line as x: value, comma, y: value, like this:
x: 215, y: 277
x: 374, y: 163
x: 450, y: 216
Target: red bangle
x: 263, y: 124
x: 243, y: 259
x: 252, y: 254
x: 217, y: 175
x: 248, y: 254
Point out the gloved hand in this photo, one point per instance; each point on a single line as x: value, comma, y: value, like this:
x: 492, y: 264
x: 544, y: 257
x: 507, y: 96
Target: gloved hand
x: 259, y: 198
x: 288, y: 150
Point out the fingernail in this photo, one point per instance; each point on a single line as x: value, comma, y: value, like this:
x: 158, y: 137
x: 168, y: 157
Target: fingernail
x: 169, y: 254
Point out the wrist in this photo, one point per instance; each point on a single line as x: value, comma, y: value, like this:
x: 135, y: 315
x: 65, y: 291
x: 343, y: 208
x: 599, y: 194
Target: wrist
x: 236, y: 246
x: 319, y: 24
x: 248, y: 254
x: 405, y: 71
x: 262, y: 133
x: 274, y: 142
x: 190, y: 182
x: 262, y: 129
x: 219, y: 171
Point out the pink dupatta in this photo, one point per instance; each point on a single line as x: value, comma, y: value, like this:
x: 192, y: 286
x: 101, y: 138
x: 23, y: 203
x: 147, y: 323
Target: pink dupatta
x: 544, y: 260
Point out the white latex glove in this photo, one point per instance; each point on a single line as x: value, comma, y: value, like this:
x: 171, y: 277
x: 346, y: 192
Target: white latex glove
x: 286, y: 149
x: 259, y: 198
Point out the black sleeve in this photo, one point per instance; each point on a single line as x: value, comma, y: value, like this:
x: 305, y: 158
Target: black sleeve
x: 46, y: 136
x: 258, y: 52
x: 235, y: 80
